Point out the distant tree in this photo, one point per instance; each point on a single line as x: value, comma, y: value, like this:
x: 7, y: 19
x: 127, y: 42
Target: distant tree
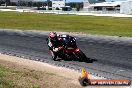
x: 49, y: 3
x: 34, y: 4
x: 75, y: 4
x: 13, y: 3
x: 24, y: 3
x: 7, y: 2
x: 30, y: 4
x: 0, y: 2
x: 79, y: 6
x: 38, y: 4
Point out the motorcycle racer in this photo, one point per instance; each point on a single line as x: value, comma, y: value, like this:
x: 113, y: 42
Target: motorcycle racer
x: 55, y: 41
x: 64, y: 47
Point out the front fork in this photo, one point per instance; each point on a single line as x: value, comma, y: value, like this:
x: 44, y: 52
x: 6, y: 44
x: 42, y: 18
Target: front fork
x: 75, y: 51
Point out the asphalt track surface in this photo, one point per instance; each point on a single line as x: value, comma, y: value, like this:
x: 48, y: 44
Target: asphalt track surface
x: 111, y: 59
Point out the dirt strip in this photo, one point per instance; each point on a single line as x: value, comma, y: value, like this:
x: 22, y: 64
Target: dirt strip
x: 67, y: 78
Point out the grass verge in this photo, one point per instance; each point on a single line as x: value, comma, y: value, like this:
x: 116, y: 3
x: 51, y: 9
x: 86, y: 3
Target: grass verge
x: 69, y: 23
x: 10, y: 78
x: 14, y: 75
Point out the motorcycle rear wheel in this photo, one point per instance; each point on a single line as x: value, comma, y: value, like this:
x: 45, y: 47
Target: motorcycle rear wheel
x: 81, y: 55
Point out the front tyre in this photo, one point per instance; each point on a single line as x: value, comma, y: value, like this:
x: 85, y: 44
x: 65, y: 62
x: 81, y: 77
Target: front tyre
x: 53, y: 54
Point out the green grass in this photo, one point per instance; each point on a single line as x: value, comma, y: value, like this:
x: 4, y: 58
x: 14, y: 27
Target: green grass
x: 13, y: 75
x: 9, y: 78
x: 4, y: 83
x: 68, y: 23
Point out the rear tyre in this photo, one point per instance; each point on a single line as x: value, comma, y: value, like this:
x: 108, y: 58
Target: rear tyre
x: 53, y: 54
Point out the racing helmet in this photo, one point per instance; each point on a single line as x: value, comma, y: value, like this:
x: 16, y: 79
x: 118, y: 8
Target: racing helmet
x: 53, y: 36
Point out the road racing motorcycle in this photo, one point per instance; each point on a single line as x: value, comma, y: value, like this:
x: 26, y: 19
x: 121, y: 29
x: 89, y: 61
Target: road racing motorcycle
x: 69, y: 50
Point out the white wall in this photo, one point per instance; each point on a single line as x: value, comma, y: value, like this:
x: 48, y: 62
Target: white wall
x: 126, y: 7
x: 85, y: 5
x: 58, y: 3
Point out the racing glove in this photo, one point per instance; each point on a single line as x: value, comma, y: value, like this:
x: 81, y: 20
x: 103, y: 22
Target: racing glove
x: 55, y: 49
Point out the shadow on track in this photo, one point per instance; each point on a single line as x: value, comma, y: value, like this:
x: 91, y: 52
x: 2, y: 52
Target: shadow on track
x: 89, y: 60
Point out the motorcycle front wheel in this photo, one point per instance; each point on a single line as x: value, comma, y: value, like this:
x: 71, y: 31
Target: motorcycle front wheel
x: 53, y: 54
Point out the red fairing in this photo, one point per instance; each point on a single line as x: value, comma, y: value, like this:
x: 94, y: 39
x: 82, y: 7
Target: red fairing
x: 68, y: 51
x: 77, y: 49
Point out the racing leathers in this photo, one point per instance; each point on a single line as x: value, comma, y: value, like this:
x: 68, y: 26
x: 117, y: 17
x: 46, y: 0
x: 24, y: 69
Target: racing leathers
x: 55, y: 45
